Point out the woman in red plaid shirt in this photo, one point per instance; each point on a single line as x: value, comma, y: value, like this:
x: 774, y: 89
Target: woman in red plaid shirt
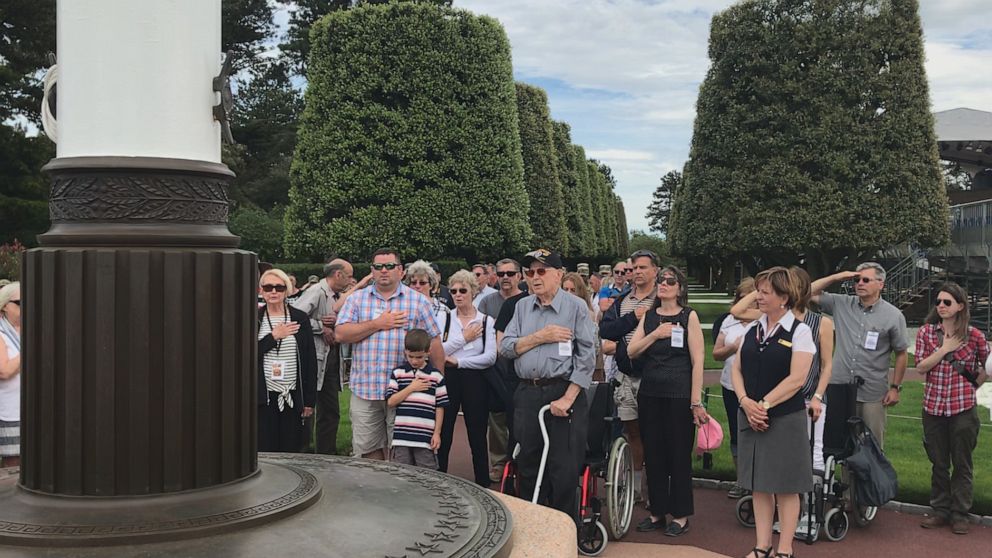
x: 951, y: 353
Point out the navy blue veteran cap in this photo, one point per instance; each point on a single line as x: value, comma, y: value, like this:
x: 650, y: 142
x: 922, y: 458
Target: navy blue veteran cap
x: 547, y: 257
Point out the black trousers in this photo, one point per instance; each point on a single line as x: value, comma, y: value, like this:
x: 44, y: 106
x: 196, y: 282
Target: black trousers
x: 667, y: 432
x: 567, y: 445
x: 280, y: 431
x: 468, y: 390
x: 950, y: 441
x: 329, y: 405
x: 730, y: 404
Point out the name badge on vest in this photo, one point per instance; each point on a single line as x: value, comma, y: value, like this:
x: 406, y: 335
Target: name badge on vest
x: 871, y: 340
x: 565, y: 348
x: 785, y: 343
x: 678, y: 337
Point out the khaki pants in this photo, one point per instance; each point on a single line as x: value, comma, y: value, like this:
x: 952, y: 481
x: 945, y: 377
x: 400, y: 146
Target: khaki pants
x: 874, y: 417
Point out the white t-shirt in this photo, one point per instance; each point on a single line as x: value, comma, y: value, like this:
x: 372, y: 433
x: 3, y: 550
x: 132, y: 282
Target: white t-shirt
x: 10, y: 390
x: 732, y: 331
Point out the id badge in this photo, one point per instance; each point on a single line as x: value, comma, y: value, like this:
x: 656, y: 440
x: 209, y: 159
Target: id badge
x: 565, y: 348
x: 871, y: 340
x: 678, y: 337
x: 278, y: 370
x: 468, y: 346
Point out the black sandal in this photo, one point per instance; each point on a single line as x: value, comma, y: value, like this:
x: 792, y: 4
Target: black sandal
x: 784, y: 555
x: 759, y: 553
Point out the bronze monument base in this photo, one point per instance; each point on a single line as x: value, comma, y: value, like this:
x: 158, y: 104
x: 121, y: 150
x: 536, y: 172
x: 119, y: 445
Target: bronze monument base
x: 365, y: 509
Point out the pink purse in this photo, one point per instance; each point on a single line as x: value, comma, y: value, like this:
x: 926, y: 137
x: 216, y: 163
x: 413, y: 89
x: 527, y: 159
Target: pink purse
x: 709, y: 436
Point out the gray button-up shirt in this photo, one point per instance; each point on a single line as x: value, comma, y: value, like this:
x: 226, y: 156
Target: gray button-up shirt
x: 854, y: 323
x: 546, y: 361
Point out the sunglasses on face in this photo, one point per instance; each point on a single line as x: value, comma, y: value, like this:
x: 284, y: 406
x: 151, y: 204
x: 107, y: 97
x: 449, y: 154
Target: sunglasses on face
x: 670, y: 281
x: 945, y: 302
x: 459, y: 291
x: 539, y: 272
x: 479, y: 274
x: 506, y: 274
x: 276, y: 288
x: 420, y: 283
x: 386, y: 266
x: 864, y: 280
x: 17, y: 302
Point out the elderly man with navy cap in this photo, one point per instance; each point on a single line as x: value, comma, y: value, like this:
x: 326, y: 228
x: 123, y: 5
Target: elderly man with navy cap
x: 552, y: 342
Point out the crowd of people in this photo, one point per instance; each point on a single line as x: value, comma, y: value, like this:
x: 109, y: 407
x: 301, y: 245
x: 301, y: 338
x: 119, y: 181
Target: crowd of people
x: 496, y: 343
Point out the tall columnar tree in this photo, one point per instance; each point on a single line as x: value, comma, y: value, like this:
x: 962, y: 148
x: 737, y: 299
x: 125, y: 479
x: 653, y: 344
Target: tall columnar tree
x: 585, y: 195
x: 575, y: 218
x: 622, y: 228
x: 813, y: 135
x: 660, y: 210
x: 409, y: 137
x: 597, y: 184
x: 547, y: 207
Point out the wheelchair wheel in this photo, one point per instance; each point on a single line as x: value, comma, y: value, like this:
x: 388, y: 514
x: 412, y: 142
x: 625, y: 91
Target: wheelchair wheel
x: 745, y: 511
x: 863, y: 515
x: 592, y: 539
x: 619, y: 488
x: 835, y: 524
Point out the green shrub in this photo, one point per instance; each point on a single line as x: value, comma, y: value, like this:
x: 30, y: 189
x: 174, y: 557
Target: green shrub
x: 409, y: 137
x: 547, y: 208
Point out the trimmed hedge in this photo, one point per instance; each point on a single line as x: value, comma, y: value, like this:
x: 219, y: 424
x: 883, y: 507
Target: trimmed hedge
x: 585, y: 197
x: 409, y: 138
x: 547, y: 208
x: 576, y: 220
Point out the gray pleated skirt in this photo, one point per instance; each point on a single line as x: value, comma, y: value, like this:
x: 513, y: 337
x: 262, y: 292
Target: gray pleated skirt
x: 777, y: 460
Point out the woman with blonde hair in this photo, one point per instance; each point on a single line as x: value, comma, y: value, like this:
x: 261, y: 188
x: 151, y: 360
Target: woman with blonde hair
x: 10, y: 375
x: 287, y: 367
x: 772, y: 363
x: 725, y: 349
x: 575, y: 284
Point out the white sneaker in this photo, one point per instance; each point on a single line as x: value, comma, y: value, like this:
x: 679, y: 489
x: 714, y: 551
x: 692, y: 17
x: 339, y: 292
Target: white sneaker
x: 776, y: 527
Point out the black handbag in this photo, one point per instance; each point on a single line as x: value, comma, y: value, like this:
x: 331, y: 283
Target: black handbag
x: 877, y: 482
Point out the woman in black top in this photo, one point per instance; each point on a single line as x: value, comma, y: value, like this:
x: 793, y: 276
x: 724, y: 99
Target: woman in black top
x: 287, y: 367
x: 668, y: 346
x: 773, y: 454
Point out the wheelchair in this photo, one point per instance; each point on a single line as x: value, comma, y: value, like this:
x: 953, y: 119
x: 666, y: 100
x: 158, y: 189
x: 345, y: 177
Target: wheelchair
x: 833, y: 492
x: 607, y: 459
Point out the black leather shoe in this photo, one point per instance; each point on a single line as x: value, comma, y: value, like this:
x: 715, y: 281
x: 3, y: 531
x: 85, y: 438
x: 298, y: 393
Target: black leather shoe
x: 676, y: 530
x: 646, y: 525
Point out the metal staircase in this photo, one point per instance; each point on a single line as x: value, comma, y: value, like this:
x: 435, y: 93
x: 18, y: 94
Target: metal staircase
x: 908, y: 280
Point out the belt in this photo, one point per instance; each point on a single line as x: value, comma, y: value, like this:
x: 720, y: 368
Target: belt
x: 543, y: 381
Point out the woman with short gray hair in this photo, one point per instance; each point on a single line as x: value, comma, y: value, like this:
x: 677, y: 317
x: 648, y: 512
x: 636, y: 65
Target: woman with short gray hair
x: 471, y: 350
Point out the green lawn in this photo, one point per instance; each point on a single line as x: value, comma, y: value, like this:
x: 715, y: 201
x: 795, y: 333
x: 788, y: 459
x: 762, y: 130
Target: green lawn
x: 903, y: 447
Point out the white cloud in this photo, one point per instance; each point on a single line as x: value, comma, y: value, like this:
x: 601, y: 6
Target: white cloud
x: 620, y: 155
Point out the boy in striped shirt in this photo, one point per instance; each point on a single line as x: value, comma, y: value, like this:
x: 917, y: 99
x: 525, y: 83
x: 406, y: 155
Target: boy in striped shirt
x: 418, y: 393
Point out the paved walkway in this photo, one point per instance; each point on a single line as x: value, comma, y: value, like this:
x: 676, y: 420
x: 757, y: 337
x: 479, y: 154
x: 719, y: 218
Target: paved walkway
x: 714, y: 528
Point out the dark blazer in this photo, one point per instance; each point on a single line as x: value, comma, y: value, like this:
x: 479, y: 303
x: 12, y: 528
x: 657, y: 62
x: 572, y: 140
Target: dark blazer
x: 306, y: 355
x: 615, y: 327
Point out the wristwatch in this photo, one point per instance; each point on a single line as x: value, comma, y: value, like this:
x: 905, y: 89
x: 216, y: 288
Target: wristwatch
x: 765, y: 405
x: 897, y: 387
x: 818, y: 396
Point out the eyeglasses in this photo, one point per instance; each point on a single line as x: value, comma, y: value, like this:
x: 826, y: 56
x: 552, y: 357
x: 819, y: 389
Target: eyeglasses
x: 386, y: 266
x: 420, y: 283
x: 864, y: 280
x: 539, y: 272
x: 459, y: 291
x: 17, y: 302
x: 276, y: 288
x: 479, y: 273
x: 506, y: 274
x: 940, y: 301
x: 670, y: 281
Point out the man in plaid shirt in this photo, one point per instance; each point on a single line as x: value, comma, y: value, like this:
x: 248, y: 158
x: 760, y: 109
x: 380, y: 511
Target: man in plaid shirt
x: 951, y: 353
x: 375, y: 321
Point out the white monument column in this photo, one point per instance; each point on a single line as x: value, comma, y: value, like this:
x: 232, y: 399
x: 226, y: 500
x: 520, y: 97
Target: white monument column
x: 135, y: 78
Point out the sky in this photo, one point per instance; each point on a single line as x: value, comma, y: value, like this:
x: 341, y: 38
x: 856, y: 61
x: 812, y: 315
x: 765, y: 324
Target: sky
x: 625, y: 73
